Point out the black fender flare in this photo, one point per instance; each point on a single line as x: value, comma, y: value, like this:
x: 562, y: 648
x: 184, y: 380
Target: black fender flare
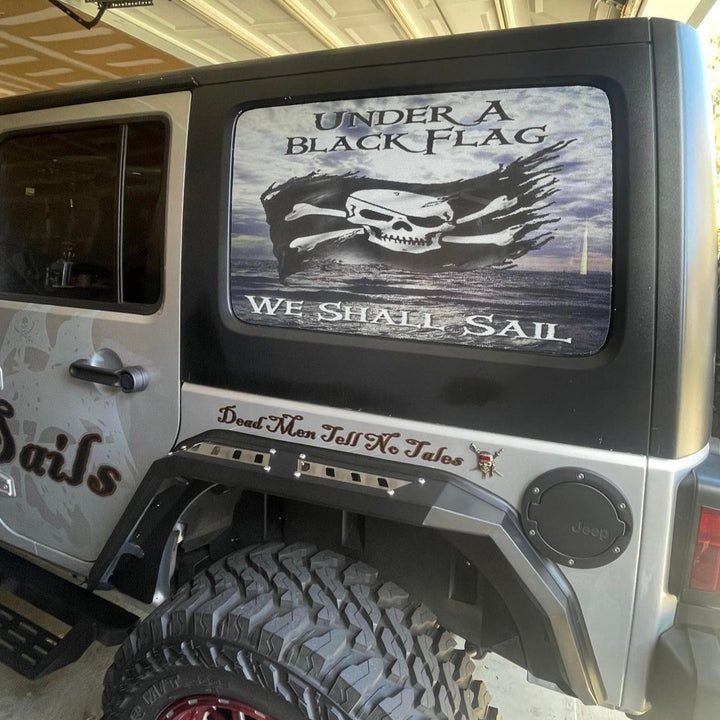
x: 396, y: 491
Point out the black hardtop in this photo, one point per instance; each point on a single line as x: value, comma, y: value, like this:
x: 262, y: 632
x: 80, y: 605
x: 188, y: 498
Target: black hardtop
x: 555, y: 37
x: 605, y: 400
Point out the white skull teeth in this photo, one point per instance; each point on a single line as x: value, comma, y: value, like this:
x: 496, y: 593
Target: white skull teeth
x: 402, y: 240
x: 401, y: 244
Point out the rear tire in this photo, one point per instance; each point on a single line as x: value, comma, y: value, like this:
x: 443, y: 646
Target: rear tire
x: 292, y: 634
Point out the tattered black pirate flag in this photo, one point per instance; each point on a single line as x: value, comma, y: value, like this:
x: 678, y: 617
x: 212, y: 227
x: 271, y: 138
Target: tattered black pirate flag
x: 428, y: 227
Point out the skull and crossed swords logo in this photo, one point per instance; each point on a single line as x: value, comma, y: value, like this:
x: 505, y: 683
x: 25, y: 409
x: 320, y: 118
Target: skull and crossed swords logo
x: 402, y: 221
x: 486, y: 461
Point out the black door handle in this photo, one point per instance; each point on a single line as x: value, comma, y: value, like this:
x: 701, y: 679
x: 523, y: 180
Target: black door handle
x: 128, y: 379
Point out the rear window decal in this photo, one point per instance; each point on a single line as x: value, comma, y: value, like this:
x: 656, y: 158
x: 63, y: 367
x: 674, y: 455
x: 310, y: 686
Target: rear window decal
x: 478, y: 218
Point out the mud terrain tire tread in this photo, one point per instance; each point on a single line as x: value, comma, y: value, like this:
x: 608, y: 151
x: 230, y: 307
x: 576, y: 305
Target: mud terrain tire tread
x: 319, y: 630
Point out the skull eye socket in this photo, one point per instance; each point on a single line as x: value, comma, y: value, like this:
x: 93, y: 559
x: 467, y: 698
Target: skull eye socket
x: 427, y: 222
x: 374, y: 215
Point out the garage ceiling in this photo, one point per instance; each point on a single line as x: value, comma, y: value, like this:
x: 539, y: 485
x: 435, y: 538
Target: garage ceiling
x: 42, y: 48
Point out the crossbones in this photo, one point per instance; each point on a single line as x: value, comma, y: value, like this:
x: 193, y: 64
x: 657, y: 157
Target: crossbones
x: 402, y: 221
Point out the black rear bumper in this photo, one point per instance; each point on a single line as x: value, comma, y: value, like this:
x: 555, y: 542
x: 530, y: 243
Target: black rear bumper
x: 685, y: 675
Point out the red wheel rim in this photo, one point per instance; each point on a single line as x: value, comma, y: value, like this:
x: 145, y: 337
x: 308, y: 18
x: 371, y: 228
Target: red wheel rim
x: 210, y: 707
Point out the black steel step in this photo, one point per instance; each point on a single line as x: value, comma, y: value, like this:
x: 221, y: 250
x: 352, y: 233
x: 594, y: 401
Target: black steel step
x: 34, y: 651
x: 25, y: 646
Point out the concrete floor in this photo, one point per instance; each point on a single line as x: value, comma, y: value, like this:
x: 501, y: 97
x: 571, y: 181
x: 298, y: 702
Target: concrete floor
x: 74, y: 693
x: 518, y: 699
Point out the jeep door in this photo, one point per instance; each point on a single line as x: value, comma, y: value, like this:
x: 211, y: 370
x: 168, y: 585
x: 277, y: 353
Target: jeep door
x: 90, y: 224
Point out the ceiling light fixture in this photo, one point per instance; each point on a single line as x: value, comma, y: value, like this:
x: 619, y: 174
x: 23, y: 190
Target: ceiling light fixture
x: 102, y: 5
x: 619, y: 4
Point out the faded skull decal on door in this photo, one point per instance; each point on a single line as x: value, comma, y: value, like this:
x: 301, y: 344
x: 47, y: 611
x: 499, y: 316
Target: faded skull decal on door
x: 65, y: 460
x: 479, y: 218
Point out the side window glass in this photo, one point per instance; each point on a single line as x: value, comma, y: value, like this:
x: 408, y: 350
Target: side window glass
x: 81, y: 215
x: 58, y: 194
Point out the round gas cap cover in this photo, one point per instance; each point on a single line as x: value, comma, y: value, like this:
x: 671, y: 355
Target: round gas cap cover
x: 576, y: 517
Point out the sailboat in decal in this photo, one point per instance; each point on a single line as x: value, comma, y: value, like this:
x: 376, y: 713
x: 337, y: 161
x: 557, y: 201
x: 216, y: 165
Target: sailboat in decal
x: 584, y: 253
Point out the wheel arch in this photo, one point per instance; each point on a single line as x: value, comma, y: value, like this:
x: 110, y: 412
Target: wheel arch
x: 452, y: 544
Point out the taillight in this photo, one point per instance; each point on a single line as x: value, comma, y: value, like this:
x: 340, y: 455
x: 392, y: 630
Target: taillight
x: 705, y: 573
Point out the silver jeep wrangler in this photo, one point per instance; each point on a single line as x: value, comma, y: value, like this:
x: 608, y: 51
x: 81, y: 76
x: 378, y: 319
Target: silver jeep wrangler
x: 335, y: 357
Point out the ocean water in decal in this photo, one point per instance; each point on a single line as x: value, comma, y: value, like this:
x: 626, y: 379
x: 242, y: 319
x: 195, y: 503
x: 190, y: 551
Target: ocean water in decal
x: 478, y: 218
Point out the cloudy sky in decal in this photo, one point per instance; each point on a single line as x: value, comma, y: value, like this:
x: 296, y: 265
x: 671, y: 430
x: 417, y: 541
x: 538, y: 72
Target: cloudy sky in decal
x: 584, y: 182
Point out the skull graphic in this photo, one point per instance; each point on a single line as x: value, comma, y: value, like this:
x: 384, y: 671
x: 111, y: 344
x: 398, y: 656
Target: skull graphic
x: 486, y: 461
x: 400, y: 221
